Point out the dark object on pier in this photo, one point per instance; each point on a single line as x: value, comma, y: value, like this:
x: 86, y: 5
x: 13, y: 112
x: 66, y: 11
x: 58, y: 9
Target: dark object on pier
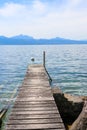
x: 32, y: 59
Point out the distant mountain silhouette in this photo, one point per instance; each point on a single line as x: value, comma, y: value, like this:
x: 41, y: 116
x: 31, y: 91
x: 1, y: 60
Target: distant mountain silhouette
x: 28, y: 40
x: 21, y: 36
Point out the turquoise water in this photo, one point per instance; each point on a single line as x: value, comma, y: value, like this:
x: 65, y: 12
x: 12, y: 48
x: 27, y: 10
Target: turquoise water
x: 67, y: 65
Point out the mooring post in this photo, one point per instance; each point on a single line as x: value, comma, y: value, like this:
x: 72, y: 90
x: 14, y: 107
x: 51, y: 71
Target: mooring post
x: 44, y: 64
x: 44, y: 58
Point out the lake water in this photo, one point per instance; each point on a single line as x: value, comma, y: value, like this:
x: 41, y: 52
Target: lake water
x: 66, y: 64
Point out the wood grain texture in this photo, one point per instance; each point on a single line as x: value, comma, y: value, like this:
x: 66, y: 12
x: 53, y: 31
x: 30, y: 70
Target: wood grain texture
x: 35, y: 108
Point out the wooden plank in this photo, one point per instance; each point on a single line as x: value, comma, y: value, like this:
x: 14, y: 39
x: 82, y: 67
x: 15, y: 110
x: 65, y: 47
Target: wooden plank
x: 33, y: 105
x: 35, y: 95
x: 35, y: 112
x: 35, y: 99
x: 30, y: 106
x: 36, y: 90
x: 35, y: 121
x: 34, y: 109
x: 32, y: 87
x: 45, y: 116
x: 35, y: 102
x: 34, y: 126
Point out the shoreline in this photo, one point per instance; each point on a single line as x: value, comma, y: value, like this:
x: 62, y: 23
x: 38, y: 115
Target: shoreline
x: 70, y: 108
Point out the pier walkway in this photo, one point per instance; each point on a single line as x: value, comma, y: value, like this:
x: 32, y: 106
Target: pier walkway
x: 35, y: 108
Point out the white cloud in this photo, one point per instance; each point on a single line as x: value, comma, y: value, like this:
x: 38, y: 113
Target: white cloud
x: 41, y: 19
x: 39, y: 7
x: 74, y: 2
x: 11, y: 9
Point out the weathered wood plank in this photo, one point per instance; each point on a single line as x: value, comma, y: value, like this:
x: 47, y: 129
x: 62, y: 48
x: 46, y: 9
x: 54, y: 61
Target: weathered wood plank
x: 34, y: 126
x: 35, y: 121
x: 36, y: 102
x: 23, y: 116
x: 34, y: 109
x: 35, y: 112
x: 35, y: 99
x: 33, y: 88
x: 33, y: 105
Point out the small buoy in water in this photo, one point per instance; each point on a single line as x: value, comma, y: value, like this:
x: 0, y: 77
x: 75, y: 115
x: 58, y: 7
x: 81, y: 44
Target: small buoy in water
x: 32, y: 59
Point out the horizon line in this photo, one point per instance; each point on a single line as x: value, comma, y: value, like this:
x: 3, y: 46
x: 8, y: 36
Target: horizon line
x: 42, y: 37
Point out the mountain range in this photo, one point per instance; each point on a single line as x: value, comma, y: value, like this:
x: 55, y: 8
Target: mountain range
x: 28, y: 40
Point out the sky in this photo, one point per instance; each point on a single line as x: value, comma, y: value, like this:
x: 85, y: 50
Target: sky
x: 44, y: 18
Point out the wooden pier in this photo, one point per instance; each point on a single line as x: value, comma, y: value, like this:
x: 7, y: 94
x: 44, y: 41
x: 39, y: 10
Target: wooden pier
x: 35, y: 108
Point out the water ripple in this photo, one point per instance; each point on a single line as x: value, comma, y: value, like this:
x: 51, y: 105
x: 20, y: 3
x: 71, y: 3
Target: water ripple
x: 67, y: 65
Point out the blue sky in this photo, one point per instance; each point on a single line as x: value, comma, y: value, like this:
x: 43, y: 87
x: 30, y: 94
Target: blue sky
x: 44, y: 18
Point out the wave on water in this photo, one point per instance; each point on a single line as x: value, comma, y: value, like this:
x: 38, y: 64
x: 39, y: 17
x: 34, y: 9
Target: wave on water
x: 66, y: 64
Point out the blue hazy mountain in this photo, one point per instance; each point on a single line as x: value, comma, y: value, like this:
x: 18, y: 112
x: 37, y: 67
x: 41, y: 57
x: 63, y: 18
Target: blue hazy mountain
x: 21, y: 36
x: 28, y: 40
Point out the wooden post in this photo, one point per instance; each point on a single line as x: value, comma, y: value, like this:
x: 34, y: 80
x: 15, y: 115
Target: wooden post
x: 2, y: 114
x: 44, y: 58
x: 44, y: 64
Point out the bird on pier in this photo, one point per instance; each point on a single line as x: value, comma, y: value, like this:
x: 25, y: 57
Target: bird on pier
x: 32, y: 59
